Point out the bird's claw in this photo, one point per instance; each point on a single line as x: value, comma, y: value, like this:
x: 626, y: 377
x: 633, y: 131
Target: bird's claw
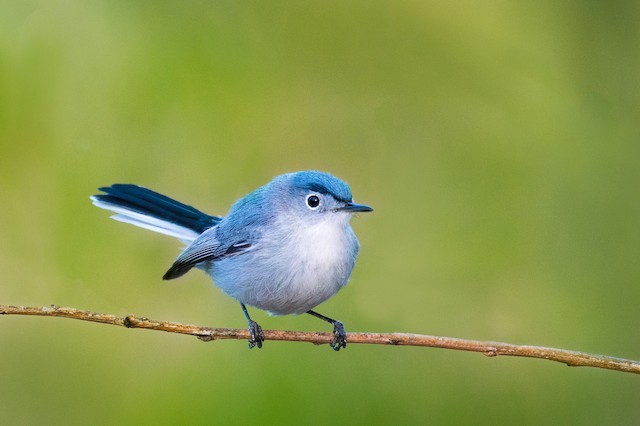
x: 339, y: 336
x: 257, y: 336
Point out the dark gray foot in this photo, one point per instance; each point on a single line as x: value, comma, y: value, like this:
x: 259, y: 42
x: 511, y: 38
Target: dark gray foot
x: 339, y: 336
x: 257, y: 336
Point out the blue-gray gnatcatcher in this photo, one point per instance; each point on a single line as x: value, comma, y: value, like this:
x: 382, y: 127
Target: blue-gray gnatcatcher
x: 285, y: 248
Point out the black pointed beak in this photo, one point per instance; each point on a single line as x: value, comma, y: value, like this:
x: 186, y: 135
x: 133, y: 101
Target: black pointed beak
x: 352, y: 207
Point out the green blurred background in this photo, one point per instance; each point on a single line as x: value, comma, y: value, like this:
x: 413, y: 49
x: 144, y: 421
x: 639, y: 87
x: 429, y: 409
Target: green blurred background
x: 498, y: 141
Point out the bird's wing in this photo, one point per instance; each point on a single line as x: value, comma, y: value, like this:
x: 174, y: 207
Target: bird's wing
x: 205, y: 248
x: 240, y: 232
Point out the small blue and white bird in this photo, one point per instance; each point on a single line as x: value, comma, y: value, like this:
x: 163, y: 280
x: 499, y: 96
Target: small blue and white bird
x: 284, y: 248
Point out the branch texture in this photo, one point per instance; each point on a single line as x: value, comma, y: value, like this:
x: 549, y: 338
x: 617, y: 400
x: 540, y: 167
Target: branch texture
x: 491, y: 349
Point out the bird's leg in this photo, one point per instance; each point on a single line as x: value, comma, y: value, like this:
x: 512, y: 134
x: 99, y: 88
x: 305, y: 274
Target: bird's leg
x: 339, y: 335
x: 257, y: 337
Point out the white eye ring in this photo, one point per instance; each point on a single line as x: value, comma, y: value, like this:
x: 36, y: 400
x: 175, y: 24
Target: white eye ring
x: 313, y: 201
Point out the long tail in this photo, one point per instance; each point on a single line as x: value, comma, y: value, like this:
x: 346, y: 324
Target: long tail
x: 147, y: 209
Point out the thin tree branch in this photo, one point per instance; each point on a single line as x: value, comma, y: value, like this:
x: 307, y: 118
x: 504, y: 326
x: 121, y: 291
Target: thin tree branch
x: 491, y: 349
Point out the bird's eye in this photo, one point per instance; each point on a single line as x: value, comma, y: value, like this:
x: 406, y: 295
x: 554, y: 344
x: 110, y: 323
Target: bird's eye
x: 313, y: 201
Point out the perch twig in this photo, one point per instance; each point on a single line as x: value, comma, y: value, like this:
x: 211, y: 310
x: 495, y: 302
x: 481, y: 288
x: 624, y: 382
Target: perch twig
x: 491, y: 349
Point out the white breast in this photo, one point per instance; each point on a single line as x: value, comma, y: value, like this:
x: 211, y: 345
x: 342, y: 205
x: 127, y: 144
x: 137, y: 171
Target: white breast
x: 320, y: 247
x: 315, y: 263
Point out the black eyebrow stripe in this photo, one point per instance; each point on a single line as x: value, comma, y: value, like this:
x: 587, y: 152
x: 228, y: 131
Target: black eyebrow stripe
x: 321, y: 189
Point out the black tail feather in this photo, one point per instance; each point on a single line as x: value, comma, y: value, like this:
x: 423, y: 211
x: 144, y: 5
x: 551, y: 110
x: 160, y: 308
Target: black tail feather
x: 150, y: 203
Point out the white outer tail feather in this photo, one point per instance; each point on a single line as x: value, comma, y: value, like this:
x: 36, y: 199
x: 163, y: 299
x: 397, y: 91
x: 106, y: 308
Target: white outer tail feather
x: 151, y: 223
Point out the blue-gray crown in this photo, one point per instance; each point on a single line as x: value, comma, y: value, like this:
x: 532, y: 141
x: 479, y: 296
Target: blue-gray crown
x: 323, y: 183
